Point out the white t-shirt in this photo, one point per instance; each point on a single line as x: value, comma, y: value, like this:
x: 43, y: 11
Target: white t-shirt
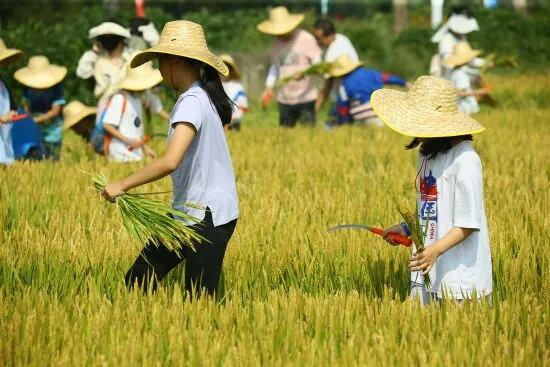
x: 451, y: 195
x: 340, y: 46
x: 6, y: 146
x: 205, y: 175
x: 235, y: 91
x: 461, y: 78
x: 129, y: 123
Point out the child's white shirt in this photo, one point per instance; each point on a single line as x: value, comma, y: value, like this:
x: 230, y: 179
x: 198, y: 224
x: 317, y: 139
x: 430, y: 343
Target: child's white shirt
x: 129, y: 123
x: 451, y: 195
x: 461, y: 78
x: 235, y: 91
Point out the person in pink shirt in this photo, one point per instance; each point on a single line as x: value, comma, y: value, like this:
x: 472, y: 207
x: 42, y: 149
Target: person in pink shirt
x: 293, y: 51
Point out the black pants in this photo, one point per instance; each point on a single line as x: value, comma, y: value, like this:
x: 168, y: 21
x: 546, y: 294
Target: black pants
x: 202, y: 267
x: 290, y: 114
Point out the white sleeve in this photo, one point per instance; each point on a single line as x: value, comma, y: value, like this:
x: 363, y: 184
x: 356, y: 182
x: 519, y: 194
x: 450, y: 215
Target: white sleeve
x: 153, y: 102
x: 188, y: 110
x: 242, y: 99
x: 272, y: 76
x: 468, y: 194
x: 85, y: 68
x: 460, y: 80
x: 113, y: 111
x: 150, y: 33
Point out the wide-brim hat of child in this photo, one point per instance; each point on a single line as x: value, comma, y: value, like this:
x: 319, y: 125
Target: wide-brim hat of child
x: 9, y: 55
x: 343, y: 65
x: 140, y: 78
x: 458, y: 23
x: 230, y: 62
x: 40, y: 74
x: 462, y: 54
x: 428, y: 109
x: 108, y: 28
x: 280, y: 22
x: 182, y: 38
x: 74, y: 112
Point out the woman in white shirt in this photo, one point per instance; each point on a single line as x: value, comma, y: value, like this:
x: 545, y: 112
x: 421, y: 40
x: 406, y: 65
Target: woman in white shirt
x: 197, y: 158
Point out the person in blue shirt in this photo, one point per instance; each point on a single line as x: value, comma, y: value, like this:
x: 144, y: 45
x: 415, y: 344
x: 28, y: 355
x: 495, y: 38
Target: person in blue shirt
x: 356, y: 85
x: 44, y: 99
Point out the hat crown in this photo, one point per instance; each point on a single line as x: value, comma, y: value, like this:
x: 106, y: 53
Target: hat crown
x: 2, y: 45
x: 462, y: 47
x: 278, y: 14
x: 73, y: 108
x: 433, y: 94
x: 343, y: 60
x: 183, y: 34
x: 38, y: 62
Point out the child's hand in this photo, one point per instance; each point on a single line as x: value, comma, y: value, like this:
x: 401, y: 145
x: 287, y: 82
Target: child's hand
x: 135, y: 143
x: 149, y: 152
x: 7, y: 117
x: 424, y: 260
x: 112, y: 190
x: 393, y: 229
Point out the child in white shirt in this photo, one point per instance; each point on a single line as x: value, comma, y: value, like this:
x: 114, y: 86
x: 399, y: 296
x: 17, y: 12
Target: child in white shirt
x: 235, y: 91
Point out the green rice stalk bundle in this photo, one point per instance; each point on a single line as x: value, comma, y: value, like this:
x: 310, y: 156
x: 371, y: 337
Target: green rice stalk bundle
x: 316, y: 69
x: 151, y: 220
x: 418, y: 231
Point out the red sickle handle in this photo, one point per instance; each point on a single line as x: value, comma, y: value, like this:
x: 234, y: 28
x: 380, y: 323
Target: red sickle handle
x: 402, y: 240
x: 21, y: 116
x: 144, y: 141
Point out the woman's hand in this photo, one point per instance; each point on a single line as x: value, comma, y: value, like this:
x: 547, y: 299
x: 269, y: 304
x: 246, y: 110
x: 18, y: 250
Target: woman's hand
x: 393, y: 229
x: 424, y: 260
x: 112, y: 191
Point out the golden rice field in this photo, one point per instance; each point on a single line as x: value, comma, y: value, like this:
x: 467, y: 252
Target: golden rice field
x: 293, y: 293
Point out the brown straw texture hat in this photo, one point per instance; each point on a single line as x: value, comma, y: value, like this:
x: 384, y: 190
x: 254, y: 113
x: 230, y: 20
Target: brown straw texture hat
x: 9, y: 55
x: 462, y: 54
x: 343, y: 65
x: 280, y: 22
x: 40, y: 74
x: 182, y: 38
x: 428, y: 110
x: 74, y: 112
x: 230, y: 62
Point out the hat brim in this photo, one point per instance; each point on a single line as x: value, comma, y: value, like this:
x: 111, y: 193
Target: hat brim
x: 236, y: 71
x: 10, y: 56
x: 393, y: 108
x: 45, y: 78
x: 341, y: 71
x: 458, y: 60
x: 70, y: 122
x: 205, y: 56
x: 136, y: 84
x: 280, y: 28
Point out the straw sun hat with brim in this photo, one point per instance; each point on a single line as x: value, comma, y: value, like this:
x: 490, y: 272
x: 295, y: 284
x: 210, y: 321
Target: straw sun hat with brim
x: 182, y: 38
x: 280, y: 22
x: 343, y: 65
x: 462, y: 54
x: 230, y: 62
x: 40, y: 74
x: 108, y: 28
x: 428, y: 110
x: 74, y: 112
x: 8, y: 55
x: 140, y: 78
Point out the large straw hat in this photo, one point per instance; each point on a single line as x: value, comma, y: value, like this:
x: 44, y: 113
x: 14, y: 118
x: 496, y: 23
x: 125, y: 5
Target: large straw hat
x: 40, y: 74
x: 74, y: 112
x: 229, y: 61
x: 428, y: 110
x: 9, y: 55
x: 182, y: 38
x: 462, y: 24
x: 343, y: 65
x: 106, y: 28
x: 280, y: 22
x: 462, y: 54
x: 140, y: 78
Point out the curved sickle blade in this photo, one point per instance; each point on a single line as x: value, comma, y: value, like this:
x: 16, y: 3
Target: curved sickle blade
x: 350, y: 226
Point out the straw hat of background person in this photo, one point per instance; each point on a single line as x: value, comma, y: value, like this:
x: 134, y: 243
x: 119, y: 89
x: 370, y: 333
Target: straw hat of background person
x: 230, y: 62
x: 343, y: 65
x: 74, y: 112
x: 108, y: 28
x: 182, y: 38
x: 40, y: 74
x: 427, y: 110
x: 462, y: 54
x: 9, y: 55
x: 140, y: 78
x: 462, y: 24
x: 280, y: 22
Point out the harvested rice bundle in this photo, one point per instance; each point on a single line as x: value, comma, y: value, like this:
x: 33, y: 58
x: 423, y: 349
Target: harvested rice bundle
x: 315, y: 69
